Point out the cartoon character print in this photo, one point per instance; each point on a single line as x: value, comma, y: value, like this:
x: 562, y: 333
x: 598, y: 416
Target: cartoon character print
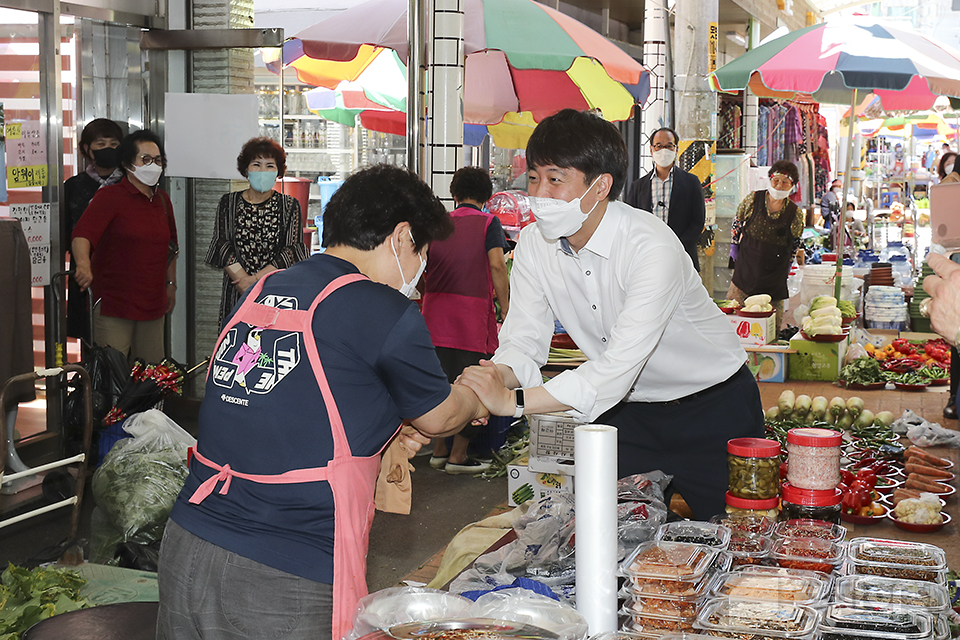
x: 248, y: 355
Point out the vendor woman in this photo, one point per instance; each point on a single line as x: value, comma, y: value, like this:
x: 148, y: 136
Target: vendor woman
x: 766, y: 234
x: 663, y: 365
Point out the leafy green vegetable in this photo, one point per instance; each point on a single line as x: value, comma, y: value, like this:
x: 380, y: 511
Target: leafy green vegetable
x: 865, y: 370
x: 933, y: 372
x: 910, y: 377
x: 27, y: 597
x: 847, y: 310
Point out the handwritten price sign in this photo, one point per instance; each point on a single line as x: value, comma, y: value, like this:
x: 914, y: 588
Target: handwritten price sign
x: 35, y: 220
x: 26, y: 155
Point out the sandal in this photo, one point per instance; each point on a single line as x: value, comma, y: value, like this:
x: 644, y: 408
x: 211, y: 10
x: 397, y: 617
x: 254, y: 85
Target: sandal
x: 438, y: 462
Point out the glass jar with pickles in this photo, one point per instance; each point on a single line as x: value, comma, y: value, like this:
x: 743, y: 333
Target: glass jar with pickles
x: 753, y: 468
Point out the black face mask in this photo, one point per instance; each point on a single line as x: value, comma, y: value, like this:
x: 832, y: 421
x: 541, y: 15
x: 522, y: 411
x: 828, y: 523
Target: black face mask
x: 106, y: 158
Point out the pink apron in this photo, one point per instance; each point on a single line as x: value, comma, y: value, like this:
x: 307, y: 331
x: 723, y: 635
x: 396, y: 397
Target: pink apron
x: 352, y: 478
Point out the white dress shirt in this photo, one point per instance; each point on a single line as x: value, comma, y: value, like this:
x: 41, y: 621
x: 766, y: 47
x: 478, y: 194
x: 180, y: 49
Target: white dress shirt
x: 632, y: 302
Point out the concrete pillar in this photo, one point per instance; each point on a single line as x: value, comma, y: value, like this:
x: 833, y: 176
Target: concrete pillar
x: 695, y: 56
x: 751, y: 103
x: 213, y: 71
x: 444, y: 135
x: 656, y: 25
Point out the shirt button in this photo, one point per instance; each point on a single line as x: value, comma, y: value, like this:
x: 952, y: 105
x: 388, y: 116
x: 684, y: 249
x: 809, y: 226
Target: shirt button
x: 603, y: 339
x: 594, y: 306
x: 588, y: 273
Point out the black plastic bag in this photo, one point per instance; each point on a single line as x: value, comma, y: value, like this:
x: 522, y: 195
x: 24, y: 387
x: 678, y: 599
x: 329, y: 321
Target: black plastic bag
x: 109, y: 372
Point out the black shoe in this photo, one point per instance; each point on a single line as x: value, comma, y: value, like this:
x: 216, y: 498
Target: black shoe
x: 950, y: 411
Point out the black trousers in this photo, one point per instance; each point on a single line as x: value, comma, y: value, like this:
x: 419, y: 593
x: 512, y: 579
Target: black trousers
x: 687, y: 438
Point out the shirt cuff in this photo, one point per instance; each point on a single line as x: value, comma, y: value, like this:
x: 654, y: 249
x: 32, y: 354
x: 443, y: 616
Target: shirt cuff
x: 575, y: 391
x: 524, y: 368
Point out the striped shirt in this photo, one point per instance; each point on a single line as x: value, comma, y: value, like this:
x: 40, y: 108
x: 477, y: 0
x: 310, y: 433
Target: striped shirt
x: 661, y: 191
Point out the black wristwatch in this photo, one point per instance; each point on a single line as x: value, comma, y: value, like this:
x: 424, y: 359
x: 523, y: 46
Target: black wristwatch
x: 519, y: 411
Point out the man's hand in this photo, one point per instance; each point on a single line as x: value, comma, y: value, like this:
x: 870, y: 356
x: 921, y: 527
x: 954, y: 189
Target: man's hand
x: 487, y: 382
x: 83, y: 275
x: 944, y: 290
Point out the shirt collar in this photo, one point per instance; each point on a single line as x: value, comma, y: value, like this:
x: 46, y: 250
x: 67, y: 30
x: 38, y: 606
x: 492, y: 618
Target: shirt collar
x: 603, y: 236
x: 471, y: 206
x: 669, y: 173
x: 132, y: 189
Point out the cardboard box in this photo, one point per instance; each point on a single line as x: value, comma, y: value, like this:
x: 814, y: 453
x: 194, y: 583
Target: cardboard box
x: 816, y: 360
x: 520, y: 476
x: 551, y: 443
x: 754, y: 332
x: 768, y: 363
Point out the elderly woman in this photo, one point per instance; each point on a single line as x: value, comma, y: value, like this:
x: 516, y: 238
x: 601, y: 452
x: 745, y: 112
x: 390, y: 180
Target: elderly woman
x: 767, y: 231
x: 125, y: 247
x: 98, y: 147
x: 258, y: 230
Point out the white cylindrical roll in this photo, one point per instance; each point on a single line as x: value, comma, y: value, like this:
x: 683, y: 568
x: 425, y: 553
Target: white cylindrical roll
x: 595, y: 493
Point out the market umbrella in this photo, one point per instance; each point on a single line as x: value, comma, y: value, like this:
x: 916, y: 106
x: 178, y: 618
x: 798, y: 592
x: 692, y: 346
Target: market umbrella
x: 521, y: 57
x: 830, y: 62
x: 148, y: 384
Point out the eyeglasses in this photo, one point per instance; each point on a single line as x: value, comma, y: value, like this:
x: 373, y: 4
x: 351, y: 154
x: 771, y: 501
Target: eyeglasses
x: 157, y: 160
x: 778, y: 180
x: 658, y: 146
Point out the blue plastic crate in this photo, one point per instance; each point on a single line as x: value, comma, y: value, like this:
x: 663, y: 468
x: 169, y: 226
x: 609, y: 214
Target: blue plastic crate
x: 109, y: 436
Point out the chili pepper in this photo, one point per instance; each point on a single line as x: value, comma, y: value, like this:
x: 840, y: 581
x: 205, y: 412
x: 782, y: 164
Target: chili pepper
x: 865, y: 461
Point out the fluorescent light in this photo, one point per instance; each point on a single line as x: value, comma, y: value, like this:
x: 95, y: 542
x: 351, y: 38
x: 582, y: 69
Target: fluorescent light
x: 736, y: 38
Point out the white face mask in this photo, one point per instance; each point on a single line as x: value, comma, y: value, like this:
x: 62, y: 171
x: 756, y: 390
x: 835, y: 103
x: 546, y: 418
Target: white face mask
x: 948, y: 169
x: 664, y: 157
x: 409, y: 288
x: 148, y: 174
x: 558, y: 218
x: 837, y: 190
x: 779, y: 194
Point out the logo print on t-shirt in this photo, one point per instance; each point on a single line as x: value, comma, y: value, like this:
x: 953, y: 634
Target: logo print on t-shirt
x: 255, y: 358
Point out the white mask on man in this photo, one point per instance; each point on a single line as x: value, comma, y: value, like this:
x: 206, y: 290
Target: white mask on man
x: 409, y: 288
x: 664, y: 157
x: 558, y: 218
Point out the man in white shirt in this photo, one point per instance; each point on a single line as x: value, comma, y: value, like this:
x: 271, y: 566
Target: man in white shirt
x: 663, y: 365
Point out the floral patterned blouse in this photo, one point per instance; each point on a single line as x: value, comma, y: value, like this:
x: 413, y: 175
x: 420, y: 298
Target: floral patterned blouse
x: 254, y: 235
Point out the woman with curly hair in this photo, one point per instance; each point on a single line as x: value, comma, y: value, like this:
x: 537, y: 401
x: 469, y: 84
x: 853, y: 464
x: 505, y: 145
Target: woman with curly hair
x: 258, y: 230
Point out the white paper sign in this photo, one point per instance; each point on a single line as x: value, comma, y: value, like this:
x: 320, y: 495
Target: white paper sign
x: 35, y: 220
x: 205, y: 132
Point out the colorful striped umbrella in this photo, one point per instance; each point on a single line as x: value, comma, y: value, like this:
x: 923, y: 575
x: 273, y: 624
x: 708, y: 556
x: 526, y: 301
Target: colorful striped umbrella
x: 521, y: 57
x: 824, y: 62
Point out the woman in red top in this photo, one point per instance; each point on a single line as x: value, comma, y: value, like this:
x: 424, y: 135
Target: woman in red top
x: 125, y: 248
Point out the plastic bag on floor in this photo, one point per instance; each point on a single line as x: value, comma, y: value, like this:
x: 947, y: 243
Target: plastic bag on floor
x: 931, y: 434
x: 140, y: 478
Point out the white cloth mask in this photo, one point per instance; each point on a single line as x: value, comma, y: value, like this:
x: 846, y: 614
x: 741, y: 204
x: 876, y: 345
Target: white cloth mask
x: 779, y: 194
x: 664, y: 157
x: 558, y: 218
x: 409, y: 288
x: 948, y: 169
x: 148, y: 174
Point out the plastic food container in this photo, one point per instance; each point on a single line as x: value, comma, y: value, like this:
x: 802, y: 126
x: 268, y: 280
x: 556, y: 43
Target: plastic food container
x: 813, y: 458
x: 776, y: 585
x: 650, y: 588
x: 745, y: 524
x: 844, y: 621
x: 656, y: 626
x: 678, y: 607
x: 753, y: 468
x: 663, y: 560
x: 706, y: 533
x: 805, y: 528
x: 896, y: 559
x: 757, y: 619
x: 869, y: 590
x: 941, y: 628
x: 758, y: 508
x: 749, y: 550
x: 810, y: 554
x: 805, y: 504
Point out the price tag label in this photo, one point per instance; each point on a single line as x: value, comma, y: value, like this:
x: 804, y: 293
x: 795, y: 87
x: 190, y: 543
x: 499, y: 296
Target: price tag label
x: 35, y: 221
x: 26, y: 155
x: 33, y: 176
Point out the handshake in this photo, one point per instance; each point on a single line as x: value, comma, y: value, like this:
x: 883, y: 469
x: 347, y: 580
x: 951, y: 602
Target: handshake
x: 486, y: 380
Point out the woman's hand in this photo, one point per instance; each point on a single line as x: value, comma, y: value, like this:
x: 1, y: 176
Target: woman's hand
x: 411, y: 440
x: 944, y: 290
x: 487, y: 382
x: 83, y: 276
x: 171, y: 296
x: 245, y: 282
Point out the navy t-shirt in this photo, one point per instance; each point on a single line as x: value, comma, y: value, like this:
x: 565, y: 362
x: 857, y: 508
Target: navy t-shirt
x: 263, y: 412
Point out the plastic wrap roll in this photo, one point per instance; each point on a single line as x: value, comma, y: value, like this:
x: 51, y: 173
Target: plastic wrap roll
x: 595, y: 456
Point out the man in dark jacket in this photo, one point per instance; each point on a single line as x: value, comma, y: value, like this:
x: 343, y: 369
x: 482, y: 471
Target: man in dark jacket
x: 670, y: 193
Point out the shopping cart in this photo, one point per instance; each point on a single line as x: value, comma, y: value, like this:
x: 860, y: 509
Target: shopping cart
x: 84, y: 381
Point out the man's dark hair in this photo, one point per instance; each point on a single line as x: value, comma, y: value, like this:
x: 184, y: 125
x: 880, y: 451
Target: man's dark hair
x: 787, y: 168
x: 99, y: 128
x: 261, y: 148
x: 676, y: 138
x: 949, y: 156
x: 130, y: 147
x: 583, y: 141
x: 471, y: 183
x: 370, y: 204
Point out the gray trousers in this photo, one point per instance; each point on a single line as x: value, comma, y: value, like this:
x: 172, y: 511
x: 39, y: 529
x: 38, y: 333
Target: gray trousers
x: 211, y: 593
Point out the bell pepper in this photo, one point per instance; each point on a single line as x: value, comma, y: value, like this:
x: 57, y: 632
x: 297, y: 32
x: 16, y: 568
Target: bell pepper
x: 846, y: 477
x: 867, y: 476
x: 869, y: 492
x: 852, y: 501
x: 868, y: 510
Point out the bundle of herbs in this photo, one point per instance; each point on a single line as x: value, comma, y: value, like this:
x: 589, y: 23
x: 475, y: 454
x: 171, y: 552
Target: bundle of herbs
x: 865, y: 370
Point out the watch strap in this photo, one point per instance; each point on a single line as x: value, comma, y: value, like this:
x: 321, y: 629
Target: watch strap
x: 518, y: 413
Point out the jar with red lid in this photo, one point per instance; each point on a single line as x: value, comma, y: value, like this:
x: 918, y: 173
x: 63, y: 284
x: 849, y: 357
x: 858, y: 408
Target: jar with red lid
x: 753, y: 468
x: 760, y: 508
x: 808, y: 504
x: 813, y: 458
